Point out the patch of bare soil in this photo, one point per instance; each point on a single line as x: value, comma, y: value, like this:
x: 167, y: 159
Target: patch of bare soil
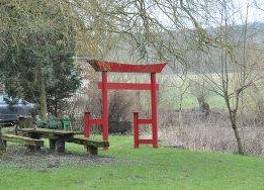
x: 20, y: 157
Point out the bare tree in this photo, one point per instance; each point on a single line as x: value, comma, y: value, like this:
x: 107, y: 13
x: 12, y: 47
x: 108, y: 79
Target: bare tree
x: 237, y: 70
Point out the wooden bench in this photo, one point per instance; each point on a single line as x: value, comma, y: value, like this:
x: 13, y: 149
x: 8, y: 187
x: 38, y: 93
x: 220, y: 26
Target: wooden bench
x: 57, y: 137
x: 90, y: 145
x: 31, y: 143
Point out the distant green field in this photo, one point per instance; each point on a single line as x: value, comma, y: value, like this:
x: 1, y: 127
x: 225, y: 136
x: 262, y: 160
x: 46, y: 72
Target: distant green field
x: 172, y: 87
x: 144, y: 168
x: 171, y: 98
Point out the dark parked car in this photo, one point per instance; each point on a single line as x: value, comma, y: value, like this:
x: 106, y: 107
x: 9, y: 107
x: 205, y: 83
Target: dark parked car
x: 9, y: 113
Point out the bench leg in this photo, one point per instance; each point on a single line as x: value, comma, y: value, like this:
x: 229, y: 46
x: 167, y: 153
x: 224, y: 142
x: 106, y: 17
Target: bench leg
x: 92, y: 150
x: 52, y: 143
x: 32, y: 148
x: 38, y: 148
x: 2, y: 146
x: 60, y: 145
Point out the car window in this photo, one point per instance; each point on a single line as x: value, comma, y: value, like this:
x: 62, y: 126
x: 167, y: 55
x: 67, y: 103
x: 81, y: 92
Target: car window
x: 23, y: 102
x: 2, y: 99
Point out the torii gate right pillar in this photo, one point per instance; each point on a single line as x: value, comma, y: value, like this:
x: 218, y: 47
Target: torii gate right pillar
x: 154, y: 110
x: 153, y: 120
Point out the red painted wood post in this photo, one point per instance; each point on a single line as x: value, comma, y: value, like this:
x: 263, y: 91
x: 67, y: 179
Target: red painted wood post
x: 86, y: 129
x: 136, y: 130
x: 104, y: 106
x: 154, y: 111
x: 106, y: 66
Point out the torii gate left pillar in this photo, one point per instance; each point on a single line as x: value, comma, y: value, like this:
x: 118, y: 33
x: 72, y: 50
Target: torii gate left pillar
x: 105, y: 113
x: 105, y: 67
x: 89, y: 122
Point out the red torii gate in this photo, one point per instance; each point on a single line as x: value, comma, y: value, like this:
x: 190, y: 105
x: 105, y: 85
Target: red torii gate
x: 104, y: 67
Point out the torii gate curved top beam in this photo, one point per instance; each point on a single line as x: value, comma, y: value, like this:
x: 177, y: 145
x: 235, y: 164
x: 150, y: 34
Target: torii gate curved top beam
x: 125, y: 68
x: 106, y: 66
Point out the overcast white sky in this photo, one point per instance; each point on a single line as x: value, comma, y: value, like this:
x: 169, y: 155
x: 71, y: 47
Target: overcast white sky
x: 254, y: 14
x: 239, y: 17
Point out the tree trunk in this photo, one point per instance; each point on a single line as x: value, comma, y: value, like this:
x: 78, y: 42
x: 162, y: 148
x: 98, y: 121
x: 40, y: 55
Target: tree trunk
x: 233, y: 120
x: 236, y: 132
x: 43, y: 97
x: 2, y: 144
x: 238, y: 139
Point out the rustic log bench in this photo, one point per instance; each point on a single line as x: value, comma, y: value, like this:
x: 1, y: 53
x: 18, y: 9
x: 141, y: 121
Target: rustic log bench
x: 90, y: 145
x: 57, y: 138
x: 31, y: 143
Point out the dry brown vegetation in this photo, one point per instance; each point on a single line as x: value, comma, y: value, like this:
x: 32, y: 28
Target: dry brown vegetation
x: 192, y: 131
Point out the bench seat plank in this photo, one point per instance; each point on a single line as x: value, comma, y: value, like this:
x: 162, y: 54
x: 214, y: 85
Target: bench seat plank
x: 22, y: 139
x: 86, y: 141
x: 92, y: 146
x: 45, y: 131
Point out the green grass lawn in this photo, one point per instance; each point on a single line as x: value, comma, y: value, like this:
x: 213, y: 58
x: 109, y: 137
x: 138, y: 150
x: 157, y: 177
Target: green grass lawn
x: 144, y: 168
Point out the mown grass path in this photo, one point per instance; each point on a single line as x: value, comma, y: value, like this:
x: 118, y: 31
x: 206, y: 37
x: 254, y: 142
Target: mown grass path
x: 144, y: 168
